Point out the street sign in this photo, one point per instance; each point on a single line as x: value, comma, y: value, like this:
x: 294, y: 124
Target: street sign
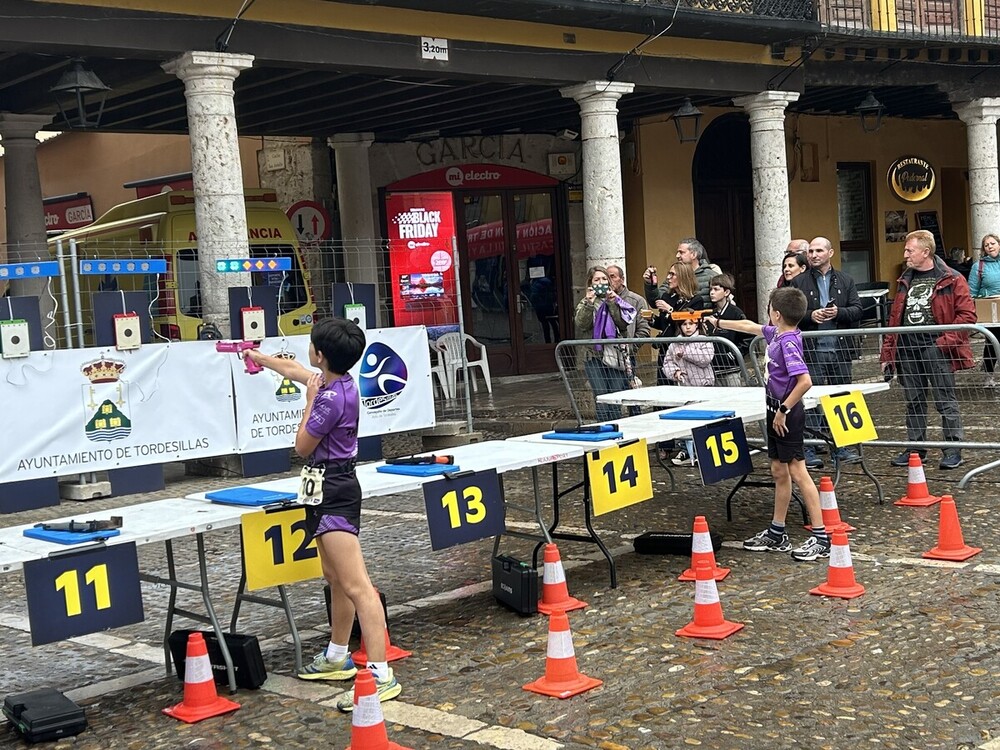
x: 310, y: 221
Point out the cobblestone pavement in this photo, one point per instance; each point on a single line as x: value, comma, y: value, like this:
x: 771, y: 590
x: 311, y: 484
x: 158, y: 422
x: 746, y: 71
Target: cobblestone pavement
x: 913, y: 663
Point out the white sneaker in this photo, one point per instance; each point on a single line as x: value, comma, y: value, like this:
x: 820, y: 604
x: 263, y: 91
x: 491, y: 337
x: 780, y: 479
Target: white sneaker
x: 683, y: 459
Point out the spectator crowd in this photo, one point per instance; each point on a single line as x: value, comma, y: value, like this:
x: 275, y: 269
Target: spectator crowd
x: 695, y: 296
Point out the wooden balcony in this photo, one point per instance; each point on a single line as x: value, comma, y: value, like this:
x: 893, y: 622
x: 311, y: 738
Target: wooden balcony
x: 913, y: 19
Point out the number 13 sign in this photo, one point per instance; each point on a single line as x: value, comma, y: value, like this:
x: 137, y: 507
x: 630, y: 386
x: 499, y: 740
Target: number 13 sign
x: 464, y: 507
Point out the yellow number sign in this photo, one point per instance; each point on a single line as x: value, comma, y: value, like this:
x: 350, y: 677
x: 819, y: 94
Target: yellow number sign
x: 619, y: 476
x: 849, y: 419
x: 277, y: 549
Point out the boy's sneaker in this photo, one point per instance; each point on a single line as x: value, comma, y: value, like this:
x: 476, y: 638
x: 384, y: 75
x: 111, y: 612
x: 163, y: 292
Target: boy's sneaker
x: 812, y: 549
x: 324, y: 669
x: 812, y: 460
x: 683, y: 459
x: 388, y: 689
x: 764, y: 542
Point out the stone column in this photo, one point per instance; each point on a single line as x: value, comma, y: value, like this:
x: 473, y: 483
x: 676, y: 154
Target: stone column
x: 980, y: 118
x: 355, y: 204
x: 220, y: 207
x: 25, y: 213
x: 772, y: 229
x: 603, y: 215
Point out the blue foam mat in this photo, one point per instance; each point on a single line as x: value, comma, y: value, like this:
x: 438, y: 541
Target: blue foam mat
x: 418, y: 470
x: 249, y: 496
x: 697, y: 414
x: 583, y: 437
x: 70, y: 537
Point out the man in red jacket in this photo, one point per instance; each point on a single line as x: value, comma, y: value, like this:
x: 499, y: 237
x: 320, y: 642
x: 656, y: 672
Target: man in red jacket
x: 929, y: 293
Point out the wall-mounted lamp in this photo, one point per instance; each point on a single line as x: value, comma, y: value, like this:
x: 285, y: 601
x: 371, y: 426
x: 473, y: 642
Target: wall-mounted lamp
x: 687, y: 120
x: 870, y: 111
x: 78, y: 91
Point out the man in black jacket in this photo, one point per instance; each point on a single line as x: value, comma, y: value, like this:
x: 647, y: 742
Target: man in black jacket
x: 833, y: 303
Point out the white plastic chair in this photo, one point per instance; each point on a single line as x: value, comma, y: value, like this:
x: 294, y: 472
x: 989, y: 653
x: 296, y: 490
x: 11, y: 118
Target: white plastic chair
x: 450, y: 348
x: 439, y: 370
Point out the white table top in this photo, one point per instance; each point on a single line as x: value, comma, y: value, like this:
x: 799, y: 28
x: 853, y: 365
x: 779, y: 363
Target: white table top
x: 502, y: 455
x: 712, y: 397
x: 653, y: 429
x: 155, y: 521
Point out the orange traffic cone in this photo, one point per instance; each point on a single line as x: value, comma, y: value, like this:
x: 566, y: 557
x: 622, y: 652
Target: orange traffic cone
x: 917, y: 494
x: 561, y: 680
x: 367, y: 724
x: 555, y: 595
x: 831, y: 513
x: 200, y: 699
x: 392, y: 653
x: 708, y: 620
x: 840, y: 574
x: 701, y: 549
x: 951, y: 545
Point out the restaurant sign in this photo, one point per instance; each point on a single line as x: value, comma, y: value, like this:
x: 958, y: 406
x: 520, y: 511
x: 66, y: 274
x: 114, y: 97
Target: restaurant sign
x: 911, y: 179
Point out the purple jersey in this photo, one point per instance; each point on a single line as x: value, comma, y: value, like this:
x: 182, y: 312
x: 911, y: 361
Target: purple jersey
x: 783, y: 361
x: 334, y: 420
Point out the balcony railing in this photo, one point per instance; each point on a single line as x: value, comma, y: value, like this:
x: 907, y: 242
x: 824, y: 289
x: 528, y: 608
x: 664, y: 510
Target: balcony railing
x: 791, y: 10
x: 913, y: 19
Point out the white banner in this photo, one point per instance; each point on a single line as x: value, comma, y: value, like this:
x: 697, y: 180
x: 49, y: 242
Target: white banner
x: 80, y: 410
x: 393, y: 378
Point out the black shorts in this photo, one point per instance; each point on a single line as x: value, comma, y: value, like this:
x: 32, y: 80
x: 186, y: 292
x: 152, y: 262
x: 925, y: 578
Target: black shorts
x: 341, y: 499
x: 788, y: 447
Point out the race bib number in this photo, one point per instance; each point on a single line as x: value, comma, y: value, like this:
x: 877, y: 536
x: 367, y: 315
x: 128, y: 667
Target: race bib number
x: 311, y: 485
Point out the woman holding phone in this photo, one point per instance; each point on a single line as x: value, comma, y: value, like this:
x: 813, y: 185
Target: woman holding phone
x: 603, y: 315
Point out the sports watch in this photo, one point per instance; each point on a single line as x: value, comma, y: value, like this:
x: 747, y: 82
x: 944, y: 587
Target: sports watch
x: 783, y: 408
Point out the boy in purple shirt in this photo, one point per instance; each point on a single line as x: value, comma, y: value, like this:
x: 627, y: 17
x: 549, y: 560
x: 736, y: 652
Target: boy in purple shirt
x: 787, y: 382
x: 328, y: 436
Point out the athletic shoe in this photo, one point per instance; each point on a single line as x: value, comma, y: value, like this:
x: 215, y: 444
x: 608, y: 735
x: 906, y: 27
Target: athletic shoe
x: 903, y: 459
x: 812, y: 460
x: 846, y: 456
x: 683, y: 459
x: 952, y: 459
x: 387, y: 690
x: 811, y: 549
x: 764, y: 542
x: 324, y: 669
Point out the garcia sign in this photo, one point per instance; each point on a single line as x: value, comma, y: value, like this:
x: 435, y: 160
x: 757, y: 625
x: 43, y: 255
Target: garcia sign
x: 911, y: 179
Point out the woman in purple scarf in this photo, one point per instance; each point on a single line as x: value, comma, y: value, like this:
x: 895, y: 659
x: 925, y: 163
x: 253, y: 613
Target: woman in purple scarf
x: 602, y: 314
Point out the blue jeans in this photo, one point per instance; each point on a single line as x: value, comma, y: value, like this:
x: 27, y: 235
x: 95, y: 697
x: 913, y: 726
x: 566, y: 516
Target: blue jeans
x: 826, y: 367
x: 604, y: 379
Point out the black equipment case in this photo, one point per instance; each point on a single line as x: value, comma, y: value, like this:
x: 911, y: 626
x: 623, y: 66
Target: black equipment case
x: 248, y: 662
x: 515, y: 584
x: 669, y: 543
x: 44, y: 715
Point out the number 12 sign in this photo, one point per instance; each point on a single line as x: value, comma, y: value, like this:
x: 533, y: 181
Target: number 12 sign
x: 277, y: 548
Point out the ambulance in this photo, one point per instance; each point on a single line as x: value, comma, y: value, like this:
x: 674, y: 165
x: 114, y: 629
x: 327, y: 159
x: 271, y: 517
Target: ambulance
x: 163, y: 226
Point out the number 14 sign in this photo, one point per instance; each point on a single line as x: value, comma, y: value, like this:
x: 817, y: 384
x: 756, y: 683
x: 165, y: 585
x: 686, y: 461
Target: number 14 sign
x: 619, y: 476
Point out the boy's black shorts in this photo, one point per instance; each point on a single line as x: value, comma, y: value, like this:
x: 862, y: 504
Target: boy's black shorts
x: 341, y: 498
x: 788, y: 447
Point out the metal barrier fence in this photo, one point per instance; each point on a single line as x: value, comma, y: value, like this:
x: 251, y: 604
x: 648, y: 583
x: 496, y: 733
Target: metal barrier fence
x: 726, y: 365
x: 927, y: 406
x: 322, y: 277
x: 951, y: 409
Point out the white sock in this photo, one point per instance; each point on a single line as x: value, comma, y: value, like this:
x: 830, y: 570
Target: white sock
x: 335, y: 652
x: 380, y: 668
